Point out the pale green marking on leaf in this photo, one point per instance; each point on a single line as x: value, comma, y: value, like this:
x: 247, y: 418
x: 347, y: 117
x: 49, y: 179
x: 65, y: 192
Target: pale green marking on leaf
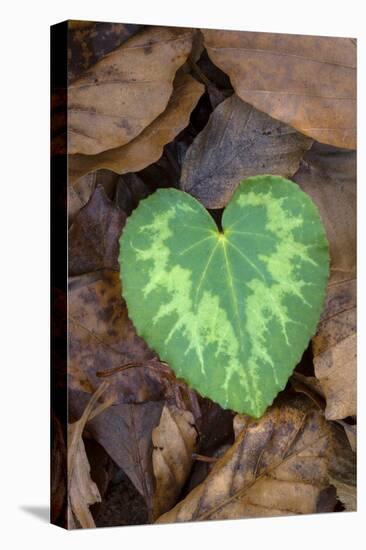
x: 230, y: 312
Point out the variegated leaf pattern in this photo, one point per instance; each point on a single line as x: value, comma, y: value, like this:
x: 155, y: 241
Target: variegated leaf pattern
x: 231, y: 311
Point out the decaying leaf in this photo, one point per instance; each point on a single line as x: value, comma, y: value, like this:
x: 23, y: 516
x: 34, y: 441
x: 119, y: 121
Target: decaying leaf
x: 277, y: 466
x: 126, y: 90
x: 342, y: 468
x: 101, y: 336
x: 79, y: 194
x: 148, y: 146
x: 125, y: 433
x: 89, y: 41
x: 238, y: 142
x: 328, y: 175
x: 174, y: 442
x: 308, y: 82
x: 82, y: 491
x: 347, y: 494
x: 93, y: 237
x: 351, y: 433
x: 334, y: 349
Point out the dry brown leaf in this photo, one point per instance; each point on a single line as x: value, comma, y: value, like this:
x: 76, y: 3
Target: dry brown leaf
x: 308, y: 82
x: 148, y: 146
x: 103, y: 344
x: 277, y: 466
x: 79, y: 194
x: 351, y: 433
x: 89, y: 41
x: 101, y: 336
x: 237, y: 142
x: 347, y: 494
x: 335, y: 369
x: 93, y: 237
x: 341, y: 297
x: 125, y: 433
x: 342, y: 468
x: 174, y: 443
x: 328, y: 175
x: 334, y: 349
x: 126, y: 90
x: 82, y: 491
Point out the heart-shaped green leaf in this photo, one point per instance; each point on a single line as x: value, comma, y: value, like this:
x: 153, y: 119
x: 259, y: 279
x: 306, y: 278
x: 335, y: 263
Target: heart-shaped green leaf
x: 232, y: 311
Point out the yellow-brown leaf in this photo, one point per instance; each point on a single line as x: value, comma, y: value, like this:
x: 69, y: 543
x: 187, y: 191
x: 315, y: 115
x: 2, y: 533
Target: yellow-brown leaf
x: 126, y: 90
x: 148, y: 146
x: 277, y: 466
x: 308, y: 82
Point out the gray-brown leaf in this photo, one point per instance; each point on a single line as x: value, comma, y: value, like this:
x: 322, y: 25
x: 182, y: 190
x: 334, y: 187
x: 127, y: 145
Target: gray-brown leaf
x: 237, y: 142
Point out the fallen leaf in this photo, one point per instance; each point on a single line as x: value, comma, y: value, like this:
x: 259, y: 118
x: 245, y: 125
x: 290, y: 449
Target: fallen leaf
x: 347, y: 494
x: 102, y: 468
x: 89, y: 41
x: 341, y: 297
x: 147, y: 147
x: 334, y: 349
x: 277, y: 466
x: 101, y: 336
x: 126, y: 90
x: 174, y: 441
x: 82, y: 491
x: 342, y: 460
x: 79, y: 194
x: 342, y: 468
x: 328, y: 175
x: 125, y: 433
x: 308, y: 82
x: 93, y: 237
x: 233, y: 325
x: 238, y: 142
x: 309, y: 386
x: 351, y: 433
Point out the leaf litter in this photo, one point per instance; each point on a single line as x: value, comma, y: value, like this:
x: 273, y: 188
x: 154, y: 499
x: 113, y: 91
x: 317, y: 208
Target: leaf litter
x: 185, y: 458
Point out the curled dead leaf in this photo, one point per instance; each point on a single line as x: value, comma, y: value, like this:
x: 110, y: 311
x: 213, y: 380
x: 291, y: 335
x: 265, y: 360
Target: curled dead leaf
x: 277, y: 466
x: 126, y: 90
x: 82, y: 491
x: 147, y: 147
x: 334, y: 349
x: 343, y: 468
x: 308, y: 82
x: 174, y: 443
x: 125, y: 433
